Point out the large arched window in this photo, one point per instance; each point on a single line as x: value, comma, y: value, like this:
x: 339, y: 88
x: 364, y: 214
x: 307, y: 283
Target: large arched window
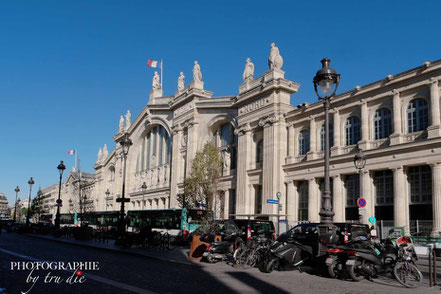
x: 259, y: 151
x: 382, y: 123
x: 417, y: 115
x: 303, y: 142
x: 352, y: 128
x: 155, y: 149
x: 322, y: 137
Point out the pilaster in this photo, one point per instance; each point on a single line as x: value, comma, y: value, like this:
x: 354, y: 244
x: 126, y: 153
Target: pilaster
x: 401, y: 201
x: 364, y: 143
x: 366, y: 193
x: 436, y: 199
x: 291, y: 203
x: 434, y: 130
x: 313, y: 203
x: 338, y: 204
x: 243, y: 162
x: 335, y: 150
x: 176, y: 165
x: 312, y: 139
x: 396, y: 136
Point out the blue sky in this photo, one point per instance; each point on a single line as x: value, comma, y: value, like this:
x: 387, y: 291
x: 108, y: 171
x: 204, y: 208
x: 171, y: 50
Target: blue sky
x: 69, y: 69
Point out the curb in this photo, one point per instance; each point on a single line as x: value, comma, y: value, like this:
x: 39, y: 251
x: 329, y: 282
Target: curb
x: 111, y: 249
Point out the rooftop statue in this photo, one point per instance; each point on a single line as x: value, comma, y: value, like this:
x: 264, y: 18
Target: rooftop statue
x: 248, y: 73
x: 197, y: 75
x: 274, y: 59
x: 155, y: 84
x: 181, y: 81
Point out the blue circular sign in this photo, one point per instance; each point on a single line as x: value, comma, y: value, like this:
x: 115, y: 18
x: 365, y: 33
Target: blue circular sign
x: 361, y: 202
x: 372, y: 220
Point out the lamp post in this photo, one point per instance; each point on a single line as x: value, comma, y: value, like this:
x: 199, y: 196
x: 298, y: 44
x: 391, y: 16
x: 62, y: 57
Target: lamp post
x: 144, y: 189
x: 125, y: 144
x: 326, y: 83
x: 30, y: 182
x: 107, y: 196
x: 359, y: 163
x: 61, y: 169
x: 16, y: 197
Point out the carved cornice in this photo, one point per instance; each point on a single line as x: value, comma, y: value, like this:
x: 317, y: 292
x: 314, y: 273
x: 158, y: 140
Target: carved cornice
x: 269, y: 120
x: 433, y: 81
x: 176, y: 129
x: 242, y: 129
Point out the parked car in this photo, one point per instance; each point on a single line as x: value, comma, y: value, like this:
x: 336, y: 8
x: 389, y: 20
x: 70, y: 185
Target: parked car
x: 307, y: 234
x: 254, y: 227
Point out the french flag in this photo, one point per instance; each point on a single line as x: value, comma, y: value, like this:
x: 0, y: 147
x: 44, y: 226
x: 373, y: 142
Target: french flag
x: 152, y: 63
x: 70, y: 152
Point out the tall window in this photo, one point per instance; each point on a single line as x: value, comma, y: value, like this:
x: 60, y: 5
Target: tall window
x: 384, y: 187
x: 417, y: 115
x: 226, y: 141
x: 322, y: 137
x: 155, y: 149
x: 352, y: 128
x: 258, y: 204
x: 259, y: 151
x: 352, y: 187
x: 382, y: 123
x: 302, y: 190
x: 303, y: 142
x: 420, y: 184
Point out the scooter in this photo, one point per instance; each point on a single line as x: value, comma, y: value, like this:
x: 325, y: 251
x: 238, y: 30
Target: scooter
x: 221, y: 250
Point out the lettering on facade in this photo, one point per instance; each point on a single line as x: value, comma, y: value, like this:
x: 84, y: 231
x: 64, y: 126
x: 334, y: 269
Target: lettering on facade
x: 253, y: 106
x: 184, y: 109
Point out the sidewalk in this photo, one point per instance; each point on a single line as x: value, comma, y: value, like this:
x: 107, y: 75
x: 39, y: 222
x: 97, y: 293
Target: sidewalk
x: 176, y: 254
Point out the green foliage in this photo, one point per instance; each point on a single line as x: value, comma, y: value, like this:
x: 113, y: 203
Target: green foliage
x: 200, y: 186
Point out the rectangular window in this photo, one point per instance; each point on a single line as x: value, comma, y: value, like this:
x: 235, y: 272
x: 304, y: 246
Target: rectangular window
x: 384, y: 187
x: 420, y: 184
x: 258, y: 204
x: 302, y: 190
x: 352, y: 186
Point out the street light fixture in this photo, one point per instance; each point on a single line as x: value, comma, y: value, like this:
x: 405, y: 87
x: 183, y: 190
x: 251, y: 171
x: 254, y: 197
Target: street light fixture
x: 61, y: 169
x: 16, y: 197
x: 359, y: 163
x: 144, y: 189
x: 30, y: 182
x: 326, y: 82
x: 125, y: 144
x: 107, y: 196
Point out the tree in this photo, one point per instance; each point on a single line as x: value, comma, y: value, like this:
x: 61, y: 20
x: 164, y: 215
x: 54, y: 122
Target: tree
x: 200, y: 186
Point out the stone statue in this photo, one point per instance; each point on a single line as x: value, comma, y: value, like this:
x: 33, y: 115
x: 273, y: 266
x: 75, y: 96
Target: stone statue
x: 105, y: 151
x: 128, y: 118
x: 274, y: 59
x: 121, y: 124
x: 181, y: 82
x: 197, y: 75
x: 100, y: 155
x: 248, y: 73
x: 155, y: 84
x: 227, y: 162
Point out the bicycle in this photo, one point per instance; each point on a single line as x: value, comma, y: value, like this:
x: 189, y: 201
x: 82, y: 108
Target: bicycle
x: 405, y: 270
x: 254, y: 255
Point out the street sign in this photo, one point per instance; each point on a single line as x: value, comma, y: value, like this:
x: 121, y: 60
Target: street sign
x: 372, y: 220
x: 279, y: 195
x: 273, y: 201
x: 361, y: 211
x: 361, y: 202
x: 120, y: 200
x: 202, y: 204
x: 280, y: 207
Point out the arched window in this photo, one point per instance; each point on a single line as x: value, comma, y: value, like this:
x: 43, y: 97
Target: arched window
x: 259, y: 151
x: 417, y: 115
x: 322, y: 137
x: 382, y: 123
x: 155, y: 149
x: 352, y: 128
x: 303, y: 142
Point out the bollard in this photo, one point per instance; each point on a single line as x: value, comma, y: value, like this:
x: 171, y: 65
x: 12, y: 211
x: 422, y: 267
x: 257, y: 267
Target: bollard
x: 434, y: 266
x: 430, y: 268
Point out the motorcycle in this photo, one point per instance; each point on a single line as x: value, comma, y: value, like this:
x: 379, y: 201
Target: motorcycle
x: 372, y: 260
x: 221, y: 250
x: 287, y: 253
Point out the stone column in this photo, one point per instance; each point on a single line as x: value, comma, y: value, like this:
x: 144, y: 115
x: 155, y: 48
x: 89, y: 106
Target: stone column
x: 366, y: 192
x: 167, y: 202
x: 401, y: 201
x: 226, y: 204
x: 395, y: 138
x: 292, y: 201
x: 436, y: 199
x: 243, y: 162
x: 313, y: 203
x: 175, y: 165
x: 291, y: 139
x: 335, y: 150
x: 338, y: 204
x: 312, y: 139
x: 434, y: 130
x: 364, y: 126
x: 192, y: 143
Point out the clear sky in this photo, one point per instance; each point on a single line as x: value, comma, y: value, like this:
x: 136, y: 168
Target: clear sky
x: 69, y: 69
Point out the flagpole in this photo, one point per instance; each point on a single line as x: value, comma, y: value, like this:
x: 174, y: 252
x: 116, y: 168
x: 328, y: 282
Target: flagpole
x: 76, y: 151
x: 161, y: 76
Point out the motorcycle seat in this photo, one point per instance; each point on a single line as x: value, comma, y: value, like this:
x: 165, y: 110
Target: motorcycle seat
x: 364, y: 251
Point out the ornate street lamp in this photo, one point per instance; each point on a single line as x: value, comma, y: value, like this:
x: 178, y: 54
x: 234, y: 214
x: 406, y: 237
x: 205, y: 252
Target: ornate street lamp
x: 107, y: 196
x: 30, y: 182
x: 144, y: 189
x: 326, y: 83
x: 61, y: 169
x: 359, y: 163
x: 125, y: 144
x: 16, y: 197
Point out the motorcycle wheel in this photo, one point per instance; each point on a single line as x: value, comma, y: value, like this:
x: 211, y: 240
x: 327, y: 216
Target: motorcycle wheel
x: 408, y: 275
x: 210, y: 259
x: 333, y: 270
x: 271, y: 265
x: 354, y: 271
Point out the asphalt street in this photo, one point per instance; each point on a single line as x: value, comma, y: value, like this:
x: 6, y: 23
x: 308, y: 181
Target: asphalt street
x: 123, y: 273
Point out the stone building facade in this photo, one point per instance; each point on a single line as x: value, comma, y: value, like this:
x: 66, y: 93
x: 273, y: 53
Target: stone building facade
x: 4, y: 208
x: 271, y: 146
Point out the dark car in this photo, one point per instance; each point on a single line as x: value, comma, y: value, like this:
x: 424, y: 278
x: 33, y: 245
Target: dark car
x: 307, y: 234
x: 254, y: 227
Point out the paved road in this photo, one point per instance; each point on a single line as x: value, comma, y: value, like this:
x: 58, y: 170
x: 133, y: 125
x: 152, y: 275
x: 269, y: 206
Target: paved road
x: 122, y: 273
